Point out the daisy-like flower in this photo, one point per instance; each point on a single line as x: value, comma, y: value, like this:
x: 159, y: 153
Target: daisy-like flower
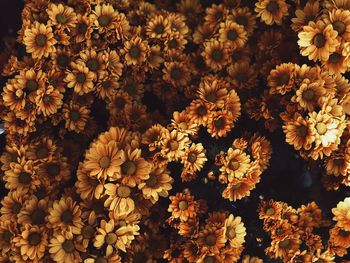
x: 182, y: 122
x: 8, y: 231
x: 65, y: 214
x: 12, y: 204
x: 318, y: 40
x: 271, y: 11
x: 158, y: 27
x: 49, y: 100
x: 104, y: 160
x: 61, y: 16
x: 158, y: 184
x: 216, y: 14
x: 80, y: 78
x: 135, y: 51
x: 309, y: 94
x: 200, y: 111
x: 213, y: 90
x: 338, y: 164
x: 236, y: 164
x: 94, y: 61
x: 235, y: 231
x: 281, y: 79
x: 119, y: 198
x: 340, y: 21
x: 282, y: 248
x: 176, y: 73
x: 183, y: 206
x: 269, y: 209
x: 212, y: 237
x: 83, y: 29
x: 34, y: 212
x: 304, y: 16
x: 243, y: 16
x: 104, y: 17
x: 173, y: 144
x: 220, y: 123
x: 62, y: 248
x: 215, y: 54
x: 342, y: 214
x: 39, y: 40
x: 194, y: 158
x: 87, y: 186
x: 75, y: 116
x: 32, y: 242
x: 233, y: 33
x: 242, y: 76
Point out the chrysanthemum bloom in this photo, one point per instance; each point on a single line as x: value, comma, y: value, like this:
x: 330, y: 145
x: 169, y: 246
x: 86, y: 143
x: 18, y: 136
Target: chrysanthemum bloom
x: 340, y: 21
x: 8, y: 230
x: 173, y: 144
x: 61, y: 16
x: 212, y: 237
x: 233, y: 33
x: 62, y: 248
x: 282, y: 248
x: 216, y: 14
x: 183, y: 122
x: 135, y: 51
x: 242, y: 76
x: 80, y: 78
x: 342, y: 214
x: 75, y: 116
x: 34, y: 212
x: 106, y: 87
x: 213, y: 90
x: 236, y: 164
x: 32, y: 242
x: 12, y: 204
x: 215, y: 54
x: 304, y: 16
x: 119, y: 198
x: 318, y: 40
x: 39, y: 40
x: 340, y: 237
x: 104, y: 17
x: 281, y: 79
x: 175, y: 73
x: 87, y: 186
x: 49, y: 100
x: 261, y: 150
x: 65, y: 214
x: 194, y: 158
x: 271, y: 11
x: 158, y: 184
x: 200, y: 111
x: 13, y: 95
x: 251, y: 259
x: 158, y: 27
x: 220, y: 123
x: 269, y: 209
x: 83, y: 29
x: 191, y: 250
x: 183, y: 206
x: 338, y: 164
x: 119, y: 238
x: 94, y: 61
x: 234, y: 231
x: 309, y: 94
x: 299, y: 132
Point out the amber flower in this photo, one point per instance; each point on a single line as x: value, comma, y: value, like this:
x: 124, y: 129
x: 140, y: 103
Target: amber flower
x: 75, y: 116
x: 136, y: 51
x: 62, y: 248
x: 271, y: 11
x: 340, y: 21
x: 158, y: 27
x: 212, y: 237
x: 194, y: 158
x: 61, y: 16
x: 119, y: 198
x: 303, y: 16
x: 309, y: 94
x: 104, y: 17
x: 176, y: 73
x: 183, y: 206
x: 235, y: 231
x: 39, y: 40
x: 80, y: 78
x: 215, y: 54
x: 342, y: 214
x: 49, y: 100
x: 213, y: 90
x: 236, y: 164
x: 173, y: 144
x: 281, y: 79
x: 34, y: 212
x: 220, y: 123
x: 318, y: 40
x: 233, y: 33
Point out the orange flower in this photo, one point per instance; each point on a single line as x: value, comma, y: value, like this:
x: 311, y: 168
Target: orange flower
x: 183, y: 206
x: 271, y: 11
x: 342, y: 214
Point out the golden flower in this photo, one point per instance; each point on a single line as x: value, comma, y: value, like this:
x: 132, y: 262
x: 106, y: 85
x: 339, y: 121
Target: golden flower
x: 271, y: 11
x: 182, y: 122
x: 269, y: 209
x: 233, y: 33
x: 261, y: 150
x: 119, y: 198
x: 318, y: 40
x: 340, y: 21
x: 215, y: 14
x: 242, y: 76
x: 309, y: 93
x: 34, y: 212
x: 191, y: 250
x: 49, y: 100
x: 340, y: 237
x: 155, y: 59
x: 194, y: 158
x: 104, y: 17
x: 87, y: 186
x: 32, y: 242
x: 212, y: 237
x: 41, y: 149
x: 342, y: 214
x: 8, y: 231
x: 30, y: 81
x: 61, y: 16
x: 213, y: 90
x: 281, y: 79
x: 237, y: 189
x: 173, y: 144
x: 337, y: 63
x: 95, y: 62
x: 234, y: 231
x: 240, y: 55
x: 158, y: 27
x: 62, y: 248
x: 203, y: 33
x: 304, y: 16
x: 243, y: 16
x: 113, y: 63
x: 236, y: 164
x: 183, y: 206
x: 83, y: 29
x: 12, y: 204
x: 14, y: 95
x: 299, y: 132
x: 39, y: 40
x: 158, y: 184
x: 251, y: 259
x: 220, y: 123
x: 135, y: 51
x: 75, y: 117
x: 283, y: 248
x: 215, y: 54
x: 337, y: 164
x: 176, y: 73
x: 80, y: 78
x: 65, y: 214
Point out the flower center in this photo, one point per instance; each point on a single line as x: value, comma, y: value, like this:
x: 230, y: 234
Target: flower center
x: 217, y: 55
x: 16, y: 208
x: 283, y: 79
x: 7, y: 236
x: 172, y: 43
x: 53, y: 169
x: 101, y: 260
x: 242, y: 20
x: 31, y: 85
x: 280, y: 231
x: 82, y: 28
x: 201, y: 111
x: 74, y: 115
x: 135, y: 51
x: 321, y: 128
x: 152, y: 181
x: 67, y: 216
x: 218, y: 15
x: 175, y: 73
x: 308, y: 94
x: 219, y: 123
x: 236, y: 186
x: 38, y: 217
x: 339, y: 26
x: 42, y: 152
x: 231, y: 232
x: 211, y: 97
x: 183, y: 125
x: 34, y: 239
x: 68, y: 246
x: 272, y: 7
x: 92, y: 64
x: 233, y: 164
x: 61, y: 18
x: 192, y: 157
x: 183, y: 205
x: 81, y: 77
x: 173, y: 145
x: 319, y: 40
x: 270, y: 211
x: 106, y: 84
x: 284, y: 244
x: 123, y: 191
x: 104, y: 162
x: 94, y: 182
x: 344, y: 233
x: 232, y: 34
x: 209, y: 259
x: 339, y: 161
x: 159, y: 29
x: 301, y: 131
x: 119, y: 102
x: 47, y: 99
x: 104, y: 20
x: 111, y: 238
x: 40, y: 40
x: 210, y: 240
x: 129, y: 167
x: 334, y: 58
x: 24, y: 178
